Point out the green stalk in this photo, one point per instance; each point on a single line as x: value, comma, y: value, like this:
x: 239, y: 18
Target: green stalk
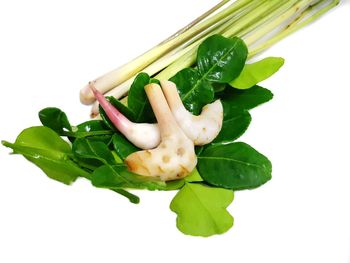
x: 251, y: 20
x: 189, y: 57
x: 195, y: 22
x: 271, y: 25
x: 294, y: 27
x: 177, y: 53
x: 119, y: 75
x: 278, y: 11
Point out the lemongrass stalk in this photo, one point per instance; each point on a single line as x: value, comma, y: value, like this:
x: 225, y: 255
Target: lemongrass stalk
x: 282, y: 11
x: 119, y: 75
x: 189, y: 58
x: 293, y: 28
x: 177, y: 53
x: 254, y: 17
x: 279, y: 15
x: 271, y: 25
x: 306, y: 13
x: 186, y: 56
x: 278, y: 11
x: 196, y: 21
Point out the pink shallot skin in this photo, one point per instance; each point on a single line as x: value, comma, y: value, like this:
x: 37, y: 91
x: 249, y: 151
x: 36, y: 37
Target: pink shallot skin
x: 143, y: 135
x: 115, y: 116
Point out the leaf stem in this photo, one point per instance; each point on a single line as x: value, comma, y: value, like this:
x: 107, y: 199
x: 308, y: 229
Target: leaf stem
x: 86, y: 134
x: 132, y: 198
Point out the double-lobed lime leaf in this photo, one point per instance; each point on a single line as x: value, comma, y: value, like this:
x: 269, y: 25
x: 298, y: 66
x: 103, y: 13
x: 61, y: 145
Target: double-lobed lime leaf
x: 201, y: 210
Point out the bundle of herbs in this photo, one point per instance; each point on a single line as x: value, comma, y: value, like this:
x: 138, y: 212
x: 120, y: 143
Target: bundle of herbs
x: 207, y: 63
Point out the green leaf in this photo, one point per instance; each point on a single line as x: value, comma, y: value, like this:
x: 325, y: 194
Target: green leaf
x: 122, y: 146
x: 174, y: 185
x: 221, y: 59
x: 194, y: 176
x: 92, y: 126
x: 43, y: 147
x: 234, y: 124
x: 201, y: 210
x: 137, y: 99
x: 91, y: 151
x: 117, y: 177
x: 94, y: 130
x: 195, y: 92
x: 55, y: 119
x: 246, y: 99
x: 256, y: 72
x: 234, y: 166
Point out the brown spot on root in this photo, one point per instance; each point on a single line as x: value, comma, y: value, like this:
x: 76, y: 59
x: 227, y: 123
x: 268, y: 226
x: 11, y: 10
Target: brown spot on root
x: 184, y: 170
x: 204, y: 129
x: 161, y: 169
x: 135, y: 165
x: 165, y: 159
x: 180, y: 151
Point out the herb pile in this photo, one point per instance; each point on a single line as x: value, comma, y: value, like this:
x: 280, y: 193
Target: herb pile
x: 95, y: 150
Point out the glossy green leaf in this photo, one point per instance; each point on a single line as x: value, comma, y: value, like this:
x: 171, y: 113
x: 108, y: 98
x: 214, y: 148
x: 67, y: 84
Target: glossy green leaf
x: 43, y: 147
x: 92, y: 126
x: 234, y: 166
x: 235, y: 123
x: 246, y: 99
x: 194, y: 176
x: 117, y: 176
x: 221, y: 59
x: 201, y: 210
x: 122, y: 146
x: 195, y: 92
x: 92, y: 151
x: 55, y: 119
x: 94, y: 130
x: 137, y: 99
x: 256, y: 72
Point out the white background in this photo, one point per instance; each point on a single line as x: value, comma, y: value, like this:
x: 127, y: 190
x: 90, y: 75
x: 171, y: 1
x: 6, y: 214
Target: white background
x: 49, y: 50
